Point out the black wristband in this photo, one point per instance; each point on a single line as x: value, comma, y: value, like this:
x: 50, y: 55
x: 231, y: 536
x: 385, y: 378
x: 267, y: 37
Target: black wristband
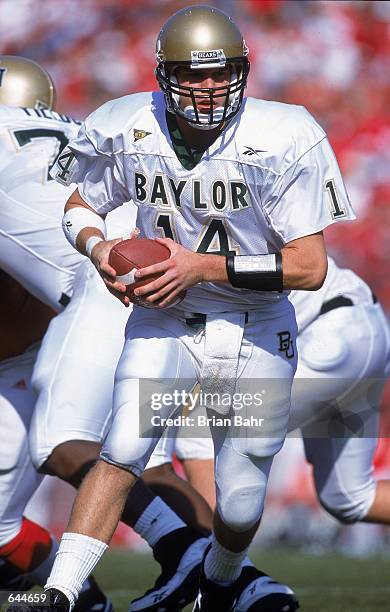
x: 256, y: 272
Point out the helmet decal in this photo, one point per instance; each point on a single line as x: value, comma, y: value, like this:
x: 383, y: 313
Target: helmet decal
x: 209, y: 59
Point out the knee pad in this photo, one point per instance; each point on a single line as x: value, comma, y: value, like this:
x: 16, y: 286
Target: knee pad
x: 241, y: 506
x: 348, y: 506
x: 240, y: 499
x: 132, y: 456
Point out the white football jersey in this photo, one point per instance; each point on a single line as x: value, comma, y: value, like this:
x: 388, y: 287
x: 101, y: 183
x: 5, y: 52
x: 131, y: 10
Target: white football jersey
x: 339, y: 281
x: 33, y: 249
x: 269, y: 178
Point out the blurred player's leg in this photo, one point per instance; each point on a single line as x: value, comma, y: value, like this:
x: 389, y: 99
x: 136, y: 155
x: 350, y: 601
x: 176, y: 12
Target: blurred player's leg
x: 28, y: 547
x: 182, y: 496
x: 23, y: 543
x: 197, y: 458
x: 340, y: 444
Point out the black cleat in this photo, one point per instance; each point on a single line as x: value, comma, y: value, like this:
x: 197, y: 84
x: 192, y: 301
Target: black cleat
x: 258, y: 592
x: 180, y: 555
x: 213, y: 597
x: 93, y: 599
x: 11, y: 579
x: 56, y: 601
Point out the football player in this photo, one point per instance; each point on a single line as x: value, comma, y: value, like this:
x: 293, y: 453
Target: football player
x: 37, y: 270
x: 70, y: 416
x: 242, y: 230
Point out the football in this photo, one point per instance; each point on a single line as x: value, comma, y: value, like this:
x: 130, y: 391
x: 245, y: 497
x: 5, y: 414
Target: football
x: 130, y: 255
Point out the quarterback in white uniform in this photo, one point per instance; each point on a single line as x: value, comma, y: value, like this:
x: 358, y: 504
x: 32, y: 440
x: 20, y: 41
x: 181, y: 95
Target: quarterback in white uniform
x: 242, y: 190
x: 70, y: 417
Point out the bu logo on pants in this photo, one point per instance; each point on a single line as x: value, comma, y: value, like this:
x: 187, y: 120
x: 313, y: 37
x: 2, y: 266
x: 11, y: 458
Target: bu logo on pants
x: 286, y: 345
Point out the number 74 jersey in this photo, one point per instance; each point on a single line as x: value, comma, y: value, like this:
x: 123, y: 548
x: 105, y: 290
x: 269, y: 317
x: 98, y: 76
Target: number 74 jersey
x: 33, y: 249
x: 269, y: 178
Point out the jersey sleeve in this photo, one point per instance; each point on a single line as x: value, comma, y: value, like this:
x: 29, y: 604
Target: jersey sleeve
x: 309, y: 196
x: 90, y: 162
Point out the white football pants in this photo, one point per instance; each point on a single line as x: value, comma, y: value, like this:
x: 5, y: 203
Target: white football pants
x: 344, y: 358
x: 18, y: 478
x: 162, y: 354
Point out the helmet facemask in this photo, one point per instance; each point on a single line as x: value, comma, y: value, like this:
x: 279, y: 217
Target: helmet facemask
x: 223, y: 101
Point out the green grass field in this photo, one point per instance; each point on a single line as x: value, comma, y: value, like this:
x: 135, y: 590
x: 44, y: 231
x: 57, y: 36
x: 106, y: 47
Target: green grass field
x: 323, y: 584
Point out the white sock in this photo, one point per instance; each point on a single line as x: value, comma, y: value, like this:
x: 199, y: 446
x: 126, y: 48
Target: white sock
x: 156, y: 521
x: 221, y: 565
x: 76, y: 557
x: 39, y: 574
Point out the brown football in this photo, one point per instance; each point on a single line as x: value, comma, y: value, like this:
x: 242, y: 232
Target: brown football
x: 130, y: 255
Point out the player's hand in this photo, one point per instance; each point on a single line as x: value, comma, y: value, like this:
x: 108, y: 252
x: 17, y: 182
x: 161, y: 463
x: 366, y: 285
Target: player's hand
x: 99, y: 258
x: 182, y: 270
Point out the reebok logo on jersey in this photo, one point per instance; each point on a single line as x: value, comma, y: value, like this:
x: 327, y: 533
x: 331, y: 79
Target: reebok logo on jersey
x: 251, y: 151
x: 139, y: 134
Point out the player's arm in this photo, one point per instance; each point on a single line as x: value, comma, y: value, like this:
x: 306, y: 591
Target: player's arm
x: 301, y: 264
x: 86, y: 231
x: 79, y: 225
x: 305, y: 263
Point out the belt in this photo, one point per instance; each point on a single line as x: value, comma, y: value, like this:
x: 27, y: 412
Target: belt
x: 339, y: 302
x: 198, y: 318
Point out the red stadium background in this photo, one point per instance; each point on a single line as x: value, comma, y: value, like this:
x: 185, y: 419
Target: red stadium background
x: 332, y: 57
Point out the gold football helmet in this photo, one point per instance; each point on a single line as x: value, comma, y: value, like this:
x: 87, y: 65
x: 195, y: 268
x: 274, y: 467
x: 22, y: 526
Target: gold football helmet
x: 25, y: 83
x: 200, y: 37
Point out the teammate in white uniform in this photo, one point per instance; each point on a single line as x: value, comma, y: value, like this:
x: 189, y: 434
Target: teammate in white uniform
x: 37, y: 270
x: 30, y: 140
x: 219, y: 177
x: 344, y: 360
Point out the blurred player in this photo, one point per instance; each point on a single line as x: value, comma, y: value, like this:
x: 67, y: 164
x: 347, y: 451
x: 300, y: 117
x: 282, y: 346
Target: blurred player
x: 34, y: 253
x: 344, y: 361
x: 218, y: 177
x: 70, y: 417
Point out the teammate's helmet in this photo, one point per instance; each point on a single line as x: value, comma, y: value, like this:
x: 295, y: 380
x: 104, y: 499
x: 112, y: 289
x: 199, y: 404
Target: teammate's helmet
x: 25, y: 83
x: 200, y: 37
